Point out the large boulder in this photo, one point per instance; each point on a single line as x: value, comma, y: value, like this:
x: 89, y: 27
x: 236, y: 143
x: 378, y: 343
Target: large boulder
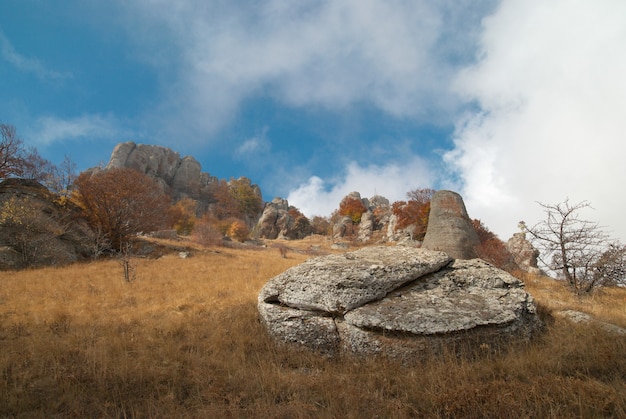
x: 450, y: 229
x: 397, y: 301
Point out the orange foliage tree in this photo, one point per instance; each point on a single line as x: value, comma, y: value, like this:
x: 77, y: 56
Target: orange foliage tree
x: 183, y: 215
x: 491, y: 248
x: 120, y: 203
x: 237, y: 199
x: 414, y: 212
x: 353, y: 208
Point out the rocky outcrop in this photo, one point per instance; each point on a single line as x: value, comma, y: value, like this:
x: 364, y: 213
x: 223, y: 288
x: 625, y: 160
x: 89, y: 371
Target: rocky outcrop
x: 38, y: 229
x: 450, y: 229
x: 397, y: 301
x: 524, y: 254
x: 182, y: 177
x: 373, y: 219
x: 279, y: 220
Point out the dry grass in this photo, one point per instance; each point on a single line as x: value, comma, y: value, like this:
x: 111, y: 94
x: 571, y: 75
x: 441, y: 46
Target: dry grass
x: 183, y: 340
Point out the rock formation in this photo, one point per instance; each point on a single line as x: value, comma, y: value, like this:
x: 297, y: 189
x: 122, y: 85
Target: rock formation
x: 36, y: 229
x: 180, y: 177
x: 373, y: 219
x: 277, y: 222
x: 397, y: 301
x: 524, y: 254
x: 450, y: 229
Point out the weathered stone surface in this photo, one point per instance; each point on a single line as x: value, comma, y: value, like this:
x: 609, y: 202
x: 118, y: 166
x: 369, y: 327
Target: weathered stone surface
x: 276, y: 221
x: 182, y: 177
x: 450, y: 229
x: 524, y: 254
x: 304, y: 327
x: 339, y: 283
x: 366, y: 226
x: 342, y: 227
x: 470, y: 293
x: 396, y: 300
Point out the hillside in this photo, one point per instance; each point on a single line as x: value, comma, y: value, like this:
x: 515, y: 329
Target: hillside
x: 184, y: 340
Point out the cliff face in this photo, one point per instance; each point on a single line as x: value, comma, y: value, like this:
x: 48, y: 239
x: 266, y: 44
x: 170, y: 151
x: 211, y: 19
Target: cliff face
x: 182, y: 177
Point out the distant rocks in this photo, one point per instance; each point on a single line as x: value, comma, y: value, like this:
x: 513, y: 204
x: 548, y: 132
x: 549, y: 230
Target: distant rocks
x: 524, y: 254
x: 450, y: 229
x: 394, y: 300
x: 181, y: 176
x: 279, y: 220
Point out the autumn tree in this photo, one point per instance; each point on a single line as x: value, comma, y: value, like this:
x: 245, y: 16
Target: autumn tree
x: 121, y: 203
x: 414, y: 212
x: 569, y: 245
x: 30, y: 229
x: 246, y: 198
x: 353, y: 208
x: 320, y: 225
x: 183, y: 215
x: 236, y: 198
x: 491, y: 248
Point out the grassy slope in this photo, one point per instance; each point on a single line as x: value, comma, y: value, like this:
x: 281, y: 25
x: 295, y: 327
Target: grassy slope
x: 183, y: 340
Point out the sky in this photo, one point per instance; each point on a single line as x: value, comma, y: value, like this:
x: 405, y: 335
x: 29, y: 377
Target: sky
x: 508, y: 102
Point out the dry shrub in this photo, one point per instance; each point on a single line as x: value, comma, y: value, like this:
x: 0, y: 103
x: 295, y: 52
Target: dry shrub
x: 205, y: 233
x: 238, y: 230
x: 184, y: 340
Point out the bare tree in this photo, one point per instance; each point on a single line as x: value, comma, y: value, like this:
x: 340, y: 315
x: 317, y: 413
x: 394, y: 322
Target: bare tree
x: 569, y: 245
x: 64, y: 177
x: 11, y: 152
x: 611, y: 266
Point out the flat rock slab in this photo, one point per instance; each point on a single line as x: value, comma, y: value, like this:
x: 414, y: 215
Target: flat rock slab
x: 341, y: 282
x: 395, y: 300
x: 448, y: 301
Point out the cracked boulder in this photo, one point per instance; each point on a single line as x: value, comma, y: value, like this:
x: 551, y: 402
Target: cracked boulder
x: 397, y: 301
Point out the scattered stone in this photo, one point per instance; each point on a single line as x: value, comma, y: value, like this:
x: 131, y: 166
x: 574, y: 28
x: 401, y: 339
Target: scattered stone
x: 450, y: 229
x: 584, y: 318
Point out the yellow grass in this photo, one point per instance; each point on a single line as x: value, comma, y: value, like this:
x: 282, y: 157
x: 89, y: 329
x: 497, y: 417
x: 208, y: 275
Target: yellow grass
x: 184, y: 340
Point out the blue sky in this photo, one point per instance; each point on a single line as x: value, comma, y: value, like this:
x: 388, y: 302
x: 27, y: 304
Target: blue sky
x: 507, y: 102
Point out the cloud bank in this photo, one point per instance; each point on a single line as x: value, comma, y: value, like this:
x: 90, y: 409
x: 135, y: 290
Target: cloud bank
x: 393, y: 181
x: 49, y: 130
x: 549, y: 84
x: 398, y: 57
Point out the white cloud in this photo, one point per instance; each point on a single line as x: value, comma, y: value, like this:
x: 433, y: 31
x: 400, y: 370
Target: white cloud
x: 48, y: 130
x: 393, y: 181
x: 26, y: 64
x: 550, y: 86
x: 398, y: 57
x: 254, y: 147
